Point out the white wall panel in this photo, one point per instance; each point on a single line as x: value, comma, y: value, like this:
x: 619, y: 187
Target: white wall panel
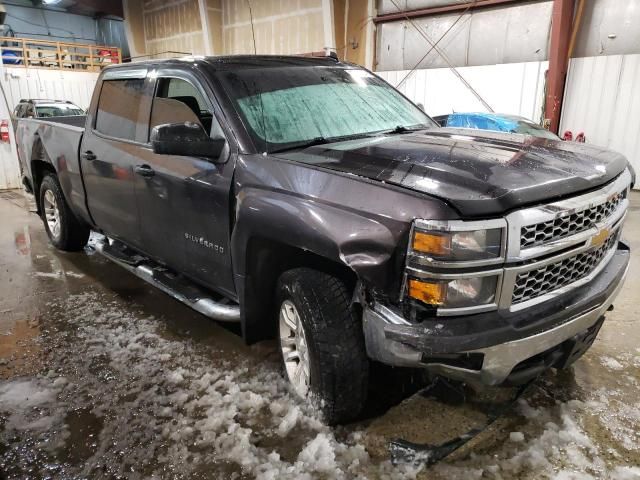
x: 517, y: 32
x: 602, y: 99
x: 37, y: 83
x: 515, y: 88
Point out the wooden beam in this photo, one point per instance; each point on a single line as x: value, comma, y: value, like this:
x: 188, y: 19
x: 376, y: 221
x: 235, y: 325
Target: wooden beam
x: 425, y: 12
x: 561, y: 27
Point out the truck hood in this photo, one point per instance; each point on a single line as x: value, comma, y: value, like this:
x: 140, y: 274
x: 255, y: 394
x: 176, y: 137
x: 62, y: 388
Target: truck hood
x: 479, y: 173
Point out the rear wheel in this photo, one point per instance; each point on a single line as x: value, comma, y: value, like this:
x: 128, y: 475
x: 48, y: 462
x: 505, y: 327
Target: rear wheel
x: 65, y: 231
x: 322, y: 343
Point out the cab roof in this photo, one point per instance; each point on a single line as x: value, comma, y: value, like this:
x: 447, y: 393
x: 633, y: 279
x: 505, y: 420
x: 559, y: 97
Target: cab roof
x: 235, y: 62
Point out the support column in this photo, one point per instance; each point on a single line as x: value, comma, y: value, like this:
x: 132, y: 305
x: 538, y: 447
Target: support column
x: 561, y: 25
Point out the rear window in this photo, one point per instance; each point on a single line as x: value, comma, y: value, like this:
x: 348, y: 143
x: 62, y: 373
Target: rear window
x: 119, y: 107
x: 61, y: 110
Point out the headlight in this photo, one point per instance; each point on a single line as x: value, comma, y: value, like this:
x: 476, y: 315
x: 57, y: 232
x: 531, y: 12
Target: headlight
x: 459, y: 241
x: 449, y: 264
x: 461, y: 292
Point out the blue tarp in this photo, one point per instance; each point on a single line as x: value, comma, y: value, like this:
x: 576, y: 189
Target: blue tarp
x: 483, y: 121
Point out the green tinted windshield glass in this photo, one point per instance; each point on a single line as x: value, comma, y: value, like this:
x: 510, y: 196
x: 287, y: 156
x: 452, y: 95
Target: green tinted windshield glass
x: 289, y: 106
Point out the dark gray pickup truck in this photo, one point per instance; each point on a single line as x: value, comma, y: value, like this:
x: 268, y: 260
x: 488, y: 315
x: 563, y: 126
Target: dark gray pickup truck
x: 310, y: 201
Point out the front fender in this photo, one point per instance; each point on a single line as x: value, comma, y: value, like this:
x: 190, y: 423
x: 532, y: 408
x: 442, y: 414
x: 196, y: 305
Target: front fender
x: 361, y: 241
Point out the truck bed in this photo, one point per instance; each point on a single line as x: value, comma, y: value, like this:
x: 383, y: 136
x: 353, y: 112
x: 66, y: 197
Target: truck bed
x: 54, y: 140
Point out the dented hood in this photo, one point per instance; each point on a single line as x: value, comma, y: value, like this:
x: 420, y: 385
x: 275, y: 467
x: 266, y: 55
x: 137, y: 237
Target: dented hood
x: 479, y: 173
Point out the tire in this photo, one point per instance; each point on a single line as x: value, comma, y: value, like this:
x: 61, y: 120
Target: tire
x: 65, y: 231
x: 338, y: 370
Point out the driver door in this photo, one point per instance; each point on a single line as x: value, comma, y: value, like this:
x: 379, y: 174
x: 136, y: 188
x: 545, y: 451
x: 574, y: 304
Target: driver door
x: 184, y: 200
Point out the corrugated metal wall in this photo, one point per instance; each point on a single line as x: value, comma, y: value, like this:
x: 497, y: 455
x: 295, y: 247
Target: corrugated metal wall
x: 602, y: 100
x: 37, y: 83
x: 609, y: 27
x: 516, y: 88
x: 510, y: 34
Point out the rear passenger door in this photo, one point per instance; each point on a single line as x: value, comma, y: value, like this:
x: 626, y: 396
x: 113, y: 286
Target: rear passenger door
x: 184, y: 201
x: 109, y: 152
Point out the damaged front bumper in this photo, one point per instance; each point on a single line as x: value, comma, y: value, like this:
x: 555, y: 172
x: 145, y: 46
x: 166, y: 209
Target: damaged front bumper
x: 499, y: 347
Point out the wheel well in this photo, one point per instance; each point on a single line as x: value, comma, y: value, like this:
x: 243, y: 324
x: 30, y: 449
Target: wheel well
x: 39, y: 168
x: 266, y: 261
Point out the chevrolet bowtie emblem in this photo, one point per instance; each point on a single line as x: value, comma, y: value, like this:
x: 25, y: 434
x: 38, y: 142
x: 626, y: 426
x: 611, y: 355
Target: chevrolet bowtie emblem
x: 600, y: 237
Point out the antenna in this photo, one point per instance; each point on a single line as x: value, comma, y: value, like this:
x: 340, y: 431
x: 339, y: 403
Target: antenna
x: 255, y: 52
x: 253, y: 33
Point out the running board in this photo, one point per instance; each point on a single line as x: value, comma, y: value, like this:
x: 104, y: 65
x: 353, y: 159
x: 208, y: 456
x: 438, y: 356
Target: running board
x: 175, y: 285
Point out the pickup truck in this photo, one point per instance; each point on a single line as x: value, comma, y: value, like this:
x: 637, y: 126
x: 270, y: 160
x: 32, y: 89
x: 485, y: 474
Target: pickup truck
x: 311, y: 202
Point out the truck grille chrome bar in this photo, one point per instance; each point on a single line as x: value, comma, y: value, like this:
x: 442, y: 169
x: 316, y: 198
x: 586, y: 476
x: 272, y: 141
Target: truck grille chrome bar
x: 569, y: 224
x: 539, y: 281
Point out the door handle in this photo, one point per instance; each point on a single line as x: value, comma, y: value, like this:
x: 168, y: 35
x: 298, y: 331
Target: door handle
x: 145, y: 171
x: 89, y: 155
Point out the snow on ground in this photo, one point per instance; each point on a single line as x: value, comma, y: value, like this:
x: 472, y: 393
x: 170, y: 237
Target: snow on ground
x: 167, y: 407
x: 558, y: 447
x: 123, y: 396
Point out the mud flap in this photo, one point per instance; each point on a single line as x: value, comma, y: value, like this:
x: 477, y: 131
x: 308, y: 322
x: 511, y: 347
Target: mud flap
x: 404, y: 451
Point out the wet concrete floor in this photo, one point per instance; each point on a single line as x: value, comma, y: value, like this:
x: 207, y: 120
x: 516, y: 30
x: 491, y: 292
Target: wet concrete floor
x: 103, y: 376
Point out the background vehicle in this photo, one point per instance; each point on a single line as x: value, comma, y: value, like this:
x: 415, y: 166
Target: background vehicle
x: 310, y: 201
x: 43, y: 108
x: 498, y: 122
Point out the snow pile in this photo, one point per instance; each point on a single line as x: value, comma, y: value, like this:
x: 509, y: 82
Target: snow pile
x: 560, y: 449
x: 611, y: 363
x: 29, y: 406
x: 171, y: 407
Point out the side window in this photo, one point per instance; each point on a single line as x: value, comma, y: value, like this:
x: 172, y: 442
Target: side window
x: 177, y: 101
x: 119, y: 107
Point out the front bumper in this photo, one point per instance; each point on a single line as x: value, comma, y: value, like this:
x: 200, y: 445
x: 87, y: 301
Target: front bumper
x: 486, y: 349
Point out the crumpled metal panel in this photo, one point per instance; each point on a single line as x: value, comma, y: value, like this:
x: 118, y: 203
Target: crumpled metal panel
x: 511, y: 34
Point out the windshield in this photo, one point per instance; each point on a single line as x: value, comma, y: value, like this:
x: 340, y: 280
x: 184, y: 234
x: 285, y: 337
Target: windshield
x: 529, y: 128
x: 62, y: 110
x: 290, y: 107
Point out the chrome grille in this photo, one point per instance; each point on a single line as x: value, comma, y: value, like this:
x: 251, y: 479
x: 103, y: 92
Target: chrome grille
x: 561, y: 227
x: 537, y: 282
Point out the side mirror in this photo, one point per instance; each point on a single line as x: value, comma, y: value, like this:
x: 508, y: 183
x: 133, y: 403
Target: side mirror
x: 186, y: 139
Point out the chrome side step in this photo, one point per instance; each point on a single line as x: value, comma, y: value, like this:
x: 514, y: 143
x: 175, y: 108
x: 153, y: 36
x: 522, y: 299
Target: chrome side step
x: 175, y: 285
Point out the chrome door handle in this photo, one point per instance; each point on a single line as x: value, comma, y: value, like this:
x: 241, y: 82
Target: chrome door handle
x: 145, y: 171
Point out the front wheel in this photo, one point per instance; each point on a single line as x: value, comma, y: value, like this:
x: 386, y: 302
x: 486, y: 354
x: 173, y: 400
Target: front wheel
x: 63, y: 228
x: 322, y: 343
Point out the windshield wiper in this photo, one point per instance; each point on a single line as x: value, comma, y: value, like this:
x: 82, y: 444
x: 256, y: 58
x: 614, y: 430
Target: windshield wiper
x: 305, y: 144
x: 402, y: 129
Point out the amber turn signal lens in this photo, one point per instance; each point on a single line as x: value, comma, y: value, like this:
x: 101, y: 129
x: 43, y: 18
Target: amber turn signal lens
x: 431, y: 293
x: 432, y: 244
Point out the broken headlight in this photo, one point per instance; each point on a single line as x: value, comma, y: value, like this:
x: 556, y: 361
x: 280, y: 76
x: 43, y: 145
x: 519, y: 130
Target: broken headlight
x: 456, y: 292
